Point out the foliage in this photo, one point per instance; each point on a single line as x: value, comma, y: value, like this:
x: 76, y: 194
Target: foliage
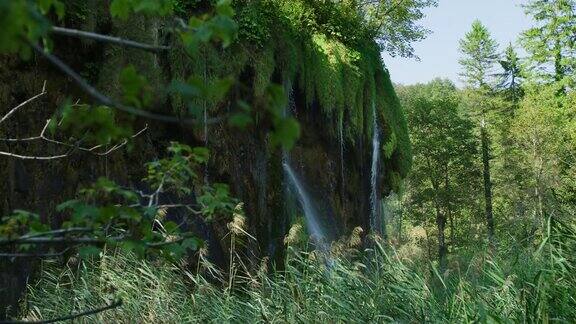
x: 106, y: 213
x: 510, y: 80
x: 541, y: 129
x: 394, y: 23
x: 21, y: 21
x: 368, y: 286
x: 123, y: 8
x: 479, y: 56
x: 87, y: 124
x: 550, y: 42
x: 297, y: 43
x: 444, y: 179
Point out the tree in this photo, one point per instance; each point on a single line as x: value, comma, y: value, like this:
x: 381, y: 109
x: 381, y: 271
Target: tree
x: 543, y: 129
x: 551, y: 42
x: 479, y: 52
x: 479, y: 55
x: 394, y: 23
x: 510, y: 79
x: 443, y: 176
x: 508, y: 175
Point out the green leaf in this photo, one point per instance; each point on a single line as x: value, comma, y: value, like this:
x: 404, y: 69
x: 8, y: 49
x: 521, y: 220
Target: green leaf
x: 220, y: 88
x: 137, y: 247
x: 201, y: 154
x: 224, y: 8
x: 240, y: 120
x: 171, y: 227
x: 286, y: 133
x: 120, y: 8
x: 135, y: 87
x: 191, y: 244
x: 88, y: 251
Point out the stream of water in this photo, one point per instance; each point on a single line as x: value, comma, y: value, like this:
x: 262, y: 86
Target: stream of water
x: 310, y: 213
x: 374, y: 174
x: 341, y: 131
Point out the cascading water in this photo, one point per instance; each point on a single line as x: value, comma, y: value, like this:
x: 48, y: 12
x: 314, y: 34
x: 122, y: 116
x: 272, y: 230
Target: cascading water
x: 374, y: 175
x: 205, y: 104
x: 310, y: 214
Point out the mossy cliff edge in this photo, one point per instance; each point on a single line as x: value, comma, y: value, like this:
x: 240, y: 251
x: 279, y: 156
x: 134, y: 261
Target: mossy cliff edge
x: 334, y: 78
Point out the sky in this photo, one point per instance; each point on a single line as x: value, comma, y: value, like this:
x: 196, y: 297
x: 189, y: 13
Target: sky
x: 449, y: 22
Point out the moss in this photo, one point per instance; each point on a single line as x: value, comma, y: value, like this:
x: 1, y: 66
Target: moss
x: 291, y: 42
x: 264, y: 67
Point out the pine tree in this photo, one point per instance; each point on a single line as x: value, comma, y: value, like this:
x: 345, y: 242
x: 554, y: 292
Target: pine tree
x: 479, y: 52
x: 510, y: 79
x: 551, y: 43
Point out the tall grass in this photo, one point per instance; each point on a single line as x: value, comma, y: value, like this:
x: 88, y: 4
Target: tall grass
x: 369, y: 286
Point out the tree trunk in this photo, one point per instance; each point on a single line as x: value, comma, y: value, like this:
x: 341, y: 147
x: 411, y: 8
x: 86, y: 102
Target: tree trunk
x: 449, y: 215
x: 487, y: 181
x: 442, y: 250
x: 399, y: 225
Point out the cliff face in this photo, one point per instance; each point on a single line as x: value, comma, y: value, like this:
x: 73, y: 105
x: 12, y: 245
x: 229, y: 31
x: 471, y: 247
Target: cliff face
x: 332, y: 90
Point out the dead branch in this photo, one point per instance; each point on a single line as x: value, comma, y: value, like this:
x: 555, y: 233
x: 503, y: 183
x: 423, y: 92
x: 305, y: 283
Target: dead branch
x: 31, y: 157
x: 108, y: 39
x: 43, y: 137
x: 35, y: 255
x: 13, y: 110
x: 115, y: 304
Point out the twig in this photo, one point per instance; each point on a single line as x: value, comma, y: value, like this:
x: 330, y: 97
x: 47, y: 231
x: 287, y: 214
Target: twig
x: 42, y: 136
x: 30, y: 255
x: 34, y: 255
x: 115, y: 304
x: 57, y: 240
x: 62, y: 231
x: 108, y: 39
x: 30, y: 157
x: 81, y: 240
x: 107, y: 101
x: 13, y: 110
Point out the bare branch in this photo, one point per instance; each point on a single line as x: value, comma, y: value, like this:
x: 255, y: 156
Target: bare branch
x: 81, y: 240
x: 58, y: 240
x: 62, y: 231
x: 108, y: 39
x: 115, y: 304
x: 31, y: 157
x: 35, y: 255
x: 72, y: 147
x: 30, y: 255
x: 13, y: 110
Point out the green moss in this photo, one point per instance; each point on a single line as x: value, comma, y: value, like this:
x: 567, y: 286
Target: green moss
x: 264, y: 66
x: 291, y: 41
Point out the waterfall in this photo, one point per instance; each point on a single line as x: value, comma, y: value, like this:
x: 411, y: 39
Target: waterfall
x: 310, y: 214
x: 205, y: 106
x: 374, y: 176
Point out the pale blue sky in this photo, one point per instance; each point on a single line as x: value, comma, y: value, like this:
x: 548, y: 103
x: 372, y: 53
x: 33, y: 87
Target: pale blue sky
x: 449, y: 22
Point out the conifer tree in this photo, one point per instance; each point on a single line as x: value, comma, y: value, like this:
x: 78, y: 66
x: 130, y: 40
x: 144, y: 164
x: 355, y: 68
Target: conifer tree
x: 510, y: 79
x: 479, y: 55
x: 479, y: 52
x: 551, y: 42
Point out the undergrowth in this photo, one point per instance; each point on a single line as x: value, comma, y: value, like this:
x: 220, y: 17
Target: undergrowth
x: 375, y: 285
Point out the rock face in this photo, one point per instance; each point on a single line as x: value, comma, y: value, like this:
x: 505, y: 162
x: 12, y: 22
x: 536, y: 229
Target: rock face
x: 332, y: 89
